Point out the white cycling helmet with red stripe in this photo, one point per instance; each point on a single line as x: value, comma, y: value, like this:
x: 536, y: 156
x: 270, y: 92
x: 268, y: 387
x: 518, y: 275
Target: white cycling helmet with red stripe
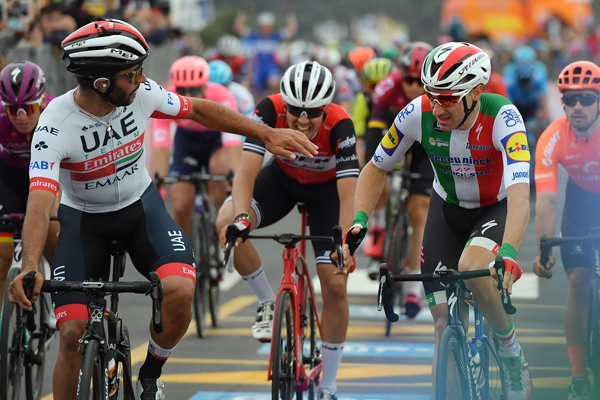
x: 103, y: 47
x: 456, y: 66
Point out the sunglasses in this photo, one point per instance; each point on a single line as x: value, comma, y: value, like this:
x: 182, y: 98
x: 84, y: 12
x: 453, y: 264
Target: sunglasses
x: 27, y: 108
x: 409, y: 80
x: 133, y: 76
x: 584, y: 99
x: 447, y: 99
x: 310, y: 112
x: 194, y: 91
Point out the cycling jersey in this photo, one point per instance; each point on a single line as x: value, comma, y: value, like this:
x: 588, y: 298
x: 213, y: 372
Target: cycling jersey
x: 361, y: 110
x: 388, y: 99
x: 236, y: 64
x: 472, y: 167
x: 579, y: 156
x: 162, y: 128
x: 100, y: 160
x: 337, y: 144
x: 496, y: 85
x: 243, y: 97
x: 347, y: 84
x: 15, y: 146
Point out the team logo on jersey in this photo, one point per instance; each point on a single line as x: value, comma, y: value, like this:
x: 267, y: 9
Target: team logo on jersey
x: 436, y: 127
x: 516, y: 147
x: 390, y: 140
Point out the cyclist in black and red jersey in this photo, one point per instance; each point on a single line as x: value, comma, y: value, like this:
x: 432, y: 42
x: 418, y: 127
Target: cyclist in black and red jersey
x: 325, y: 184
x: 391, y: 95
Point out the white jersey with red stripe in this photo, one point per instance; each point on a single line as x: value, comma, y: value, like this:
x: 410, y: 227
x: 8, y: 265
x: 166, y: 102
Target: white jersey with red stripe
x: 473, y: 167
x: 99, y: 161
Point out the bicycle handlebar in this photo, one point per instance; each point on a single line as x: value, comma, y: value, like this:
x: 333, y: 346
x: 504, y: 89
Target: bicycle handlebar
x: 194, y: 177
x: 546, y: 244
x: 287, y: 239
x: 386, y: 285
x: 99, y: 289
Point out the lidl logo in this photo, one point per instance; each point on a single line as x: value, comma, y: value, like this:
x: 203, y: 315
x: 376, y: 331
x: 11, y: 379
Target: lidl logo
x: 390, y: 140
x: 517, y: 149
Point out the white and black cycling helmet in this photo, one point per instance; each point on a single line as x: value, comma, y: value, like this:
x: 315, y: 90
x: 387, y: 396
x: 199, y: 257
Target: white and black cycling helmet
x: 456, y: 66
x: 307, y: 85
x: 229, y: 46
x: 266, y: 18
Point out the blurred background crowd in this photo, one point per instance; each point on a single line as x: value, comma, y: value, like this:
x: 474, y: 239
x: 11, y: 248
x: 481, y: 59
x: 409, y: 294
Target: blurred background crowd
x: 260, y: 40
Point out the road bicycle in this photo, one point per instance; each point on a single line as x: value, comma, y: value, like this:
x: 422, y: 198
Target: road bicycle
x: 205, y: 243
x: 23, y: 353
x: 294, y: 340
x: 458, y: 376
x: 592, y: 242
x: 105, y: 371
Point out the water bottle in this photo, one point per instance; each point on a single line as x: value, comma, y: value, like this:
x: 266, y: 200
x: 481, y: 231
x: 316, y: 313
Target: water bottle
x: 475, y: 365
x: 112, y: 376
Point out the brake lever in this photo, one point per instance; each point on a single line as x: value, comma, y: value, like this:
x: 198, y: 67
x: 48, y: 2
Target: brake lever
x: 29, y: 316
x: 337, y: 240
x: 544, y: 252
x: 156, y: 293
x: 506, y: 303
x: 386, y: 293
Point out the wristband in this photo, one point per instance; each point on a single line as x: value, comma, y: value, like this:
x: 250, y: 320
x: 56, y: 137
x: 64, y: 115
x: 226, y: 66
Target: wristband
x: 361, y: 218
x: 507, y: 251
x: 240, y: 216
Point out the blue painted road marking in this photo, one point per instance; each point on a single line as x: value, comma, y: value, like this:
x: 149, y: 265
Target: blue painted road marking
x: 378, y: 349
x: 341, y: 396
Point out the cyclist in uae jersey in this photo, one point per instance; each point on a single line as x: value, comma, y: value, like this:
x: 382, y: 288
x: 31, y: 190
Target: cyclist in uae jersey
x: 92, y: 140
x: 22, y: 91
x: 573, y: 142
x: 326, y: 184
x: 477, y: 146
x: 195, y: 146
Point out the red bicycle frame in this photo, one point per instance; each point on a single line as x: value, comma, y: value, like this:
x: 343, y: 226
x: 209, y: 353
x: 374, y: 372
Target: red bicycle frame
x: 294, y: 269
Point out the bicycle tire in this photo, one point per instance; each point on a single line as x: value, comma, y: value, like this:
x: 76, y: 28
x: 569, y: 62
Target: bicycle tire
x: 123, y: 369
x: 12, y: 331
x: 201, y: 290
x: 283, y: 363
x: 34, y: 372
x: 492, y: 372
x: 213, y: 301
x: 89, y: 386
x: 594, y: 336
x: 314, y: 351
x: 453, y: 383
x: 214, y: 265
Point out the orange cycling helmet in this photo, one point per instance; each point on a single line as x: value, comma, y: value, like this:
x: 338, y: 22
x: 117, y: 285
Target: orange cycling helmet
x: 359, y: 57
x: 580, y: 75
x: 189, y: 71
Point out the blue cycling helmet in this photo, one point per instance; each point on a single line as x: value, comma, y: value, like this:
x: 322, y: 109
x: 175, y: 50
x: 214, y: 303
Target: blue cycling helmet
x: 524, y: 54
x: 220, y: 72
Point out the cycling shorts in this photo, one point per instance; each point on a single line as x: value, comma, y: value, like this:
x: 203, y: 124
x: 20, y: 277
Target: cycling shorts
x: 276, y: 194
x: 579, y: 215
x: 14, y: 189
x: 144, y: 229
x: 449, y: 229
x: 192, y: 150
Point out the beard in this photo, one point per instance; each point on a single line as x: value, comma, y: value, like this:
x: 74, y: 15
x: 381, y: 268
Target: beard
x: 119, y: 98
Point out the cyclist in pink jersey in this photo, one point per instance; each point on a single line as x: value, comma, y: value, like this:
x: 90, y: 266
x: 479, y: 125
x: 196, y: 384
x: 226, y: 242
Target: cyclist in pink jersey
x: 22, y: 91
x: 195, y: 145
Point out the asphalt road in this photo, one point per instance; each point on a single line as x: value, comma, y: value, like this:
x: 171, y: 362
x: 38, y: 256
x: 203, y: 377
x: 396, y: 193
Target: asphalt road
x: 229, y: 364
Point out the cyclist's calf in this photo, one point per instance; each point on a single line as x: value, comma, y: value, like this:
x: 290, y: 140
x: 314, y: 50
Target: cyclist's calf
x: 64, y: 383
x: 177, y: 309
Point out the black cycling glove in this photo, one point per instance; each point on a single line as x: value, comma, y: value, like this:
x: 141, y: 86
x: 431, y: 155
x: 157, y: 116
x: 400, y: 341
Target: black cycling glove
x: 354, y: 240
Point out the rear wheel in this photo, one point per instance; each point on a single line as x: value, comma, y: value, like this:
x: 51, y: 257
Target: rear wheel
x: 452, y: 380
x: 200, y: 246
x: 283, y: 364
x: 214, y: 265
x: 491, y: 369
x: 11, y: 345
x: 594, y: 335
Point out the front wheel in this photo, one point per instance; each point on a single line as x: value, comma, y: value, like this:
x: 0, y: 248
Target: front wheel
x: 11, y: 345
x: 452, y: 379
x: 200, y: 246
x: 201, y: 303
x: 594, y: 336
x: 492, y: 371
x: 90, y: 384
x: 283, y: 363
x: 122, y: 388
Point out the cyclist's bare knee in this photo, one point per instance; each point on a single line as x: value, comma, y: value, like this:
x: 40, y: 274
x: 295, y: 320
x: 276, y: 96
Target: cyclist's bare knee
x: 70, y: 332
x: 178, y: 293
x: 333, y: 286
x: 440, y: 318
x: 417, y: 207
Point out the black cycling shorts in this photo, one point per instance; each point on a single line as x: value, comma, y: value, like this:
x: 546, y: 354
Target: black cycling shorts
x: 449, y: 229
x: 192, y: 150
x: 276, y: 194
x: 14, y: 190
x: 580, y: 213
x: 145, y: 229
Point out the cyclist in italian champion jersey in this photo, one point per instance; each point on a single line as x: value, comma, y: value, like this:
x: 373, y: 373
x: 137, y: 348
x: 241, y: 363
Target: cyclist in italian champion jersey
x: 24, y: 97
x: 221, y: 73
x: 92, y: 139
x: 195, y: 146
x: 263, y: 196
x: 391, y: 96
x: 572, y: 141
x: 477, y: 146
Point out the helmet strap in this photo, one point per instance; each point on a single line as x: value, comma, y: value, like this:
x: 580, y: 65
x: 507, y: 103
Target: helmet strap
x: 468, y: 110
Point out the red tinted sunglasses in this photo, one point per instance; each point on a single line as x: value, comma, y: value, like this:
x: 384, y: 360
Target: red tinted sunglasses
x: 27, y: 108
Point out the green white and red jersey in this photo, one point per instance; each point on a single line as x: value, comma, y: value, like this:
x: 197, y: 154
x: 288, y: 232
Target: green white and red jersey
x: 472, y: 167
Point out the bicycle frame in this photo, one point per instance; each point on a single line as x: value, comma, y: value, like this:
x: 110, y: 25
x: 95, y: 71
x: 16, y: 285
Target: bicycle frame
x: 294, y: 270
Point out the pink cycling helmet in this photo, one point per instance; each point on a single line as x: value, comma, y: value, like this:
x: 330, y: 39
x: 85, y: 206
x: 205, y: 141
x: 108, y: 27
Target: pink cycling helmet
x: 21, y: 82
x: 189, y: 71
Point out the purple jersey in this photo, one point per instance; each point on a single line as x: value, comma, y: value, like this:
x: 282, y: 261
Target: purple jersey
x: 15, y: 147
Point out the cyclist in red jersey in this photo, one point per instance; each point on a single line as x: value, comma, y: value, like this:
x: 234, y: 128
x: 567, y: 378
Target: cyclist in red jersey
x: 22, y: 91
x: 391, y: 95
x: 231, y: 50
x: 496, y: 83
x: 572, y: 141
x: 325, y: 184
